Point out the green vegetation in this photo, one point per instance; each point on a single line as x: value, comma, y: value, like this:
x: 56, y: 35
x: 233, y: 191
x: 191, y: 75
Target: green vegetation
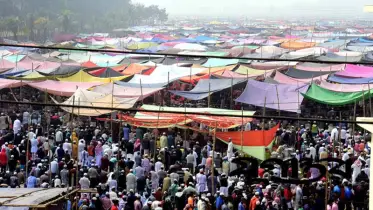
x: 39, y: 19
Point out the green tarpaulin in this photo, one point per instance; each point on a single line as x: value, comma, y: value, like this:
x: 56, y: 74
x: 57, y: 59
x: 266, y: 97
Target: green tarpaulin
x: 329, y: 97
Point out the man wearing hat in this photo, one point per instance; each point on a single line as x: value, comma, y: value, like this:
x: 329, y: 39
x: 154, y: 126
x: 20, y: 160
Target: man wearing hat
x: 84, y: 182
x: 163, y: 140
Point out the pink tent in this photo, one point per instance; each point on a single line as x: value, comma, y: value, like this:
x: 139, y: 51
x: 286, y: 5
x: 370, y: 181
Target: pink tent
x: 60, y: 88
x: 356, y: 71
x: 347, y: 88
x: 28, y: 64
x: 284, y: 79
x: 320, y: 67
x: 9, y: 83
x: 5, y: 64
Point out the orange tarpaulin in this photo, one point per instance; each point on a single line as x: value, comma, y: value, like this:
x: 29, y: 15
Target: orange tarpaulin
x: 250, y: 138
x: 89, y: 64
x: 205, y: 74
x: 135, y: 68
x: 211, y: 121
x: 119, y: 68
x: 296, y: 45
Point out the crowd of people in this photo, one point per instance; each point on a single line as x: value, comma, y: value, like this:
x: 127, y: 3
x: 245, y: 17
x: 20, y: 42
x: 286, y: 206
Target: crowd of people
x: 152, y: 169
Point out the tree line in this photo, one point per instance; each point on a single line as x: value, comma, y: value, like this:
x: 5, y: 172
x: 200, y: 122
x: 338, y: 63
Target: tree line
x: 37, y: 20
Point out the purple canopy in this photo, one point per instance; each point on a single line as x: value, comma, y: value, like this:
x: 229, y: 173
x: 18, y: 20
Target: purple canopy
x: 264, y: 94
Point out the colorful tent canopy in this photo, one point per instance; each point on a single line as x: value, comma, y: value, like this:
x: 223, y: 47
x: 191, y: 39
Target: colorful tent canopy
x: 135, y: 68
x: 8, y: 83
x: 141, y: 45
x: 329, y: 97
x: 61, y: 88
x: 216, y: 62
x: 34, y: 75
x: 83, y: 76
x: 300, y: 74
x: 107, y: 73
x: 205, y: 87
x: 251, y: 72
x: 125, y: 92
x: 65, y: 69
x: 296, y: 45
x: 275, y: 96
x: 319, y: 67
x: 356, y: 71
x: 349, y: 80
x: 341, y: 57
x: 253, y: 143
x: 164, y: 74
x: 5, y: 64
x: 182, y: 110
x: 272, y: 65
x: 284, y: 79
x: 93, y: 99
x: 347, y: 88
x: 154, y: 119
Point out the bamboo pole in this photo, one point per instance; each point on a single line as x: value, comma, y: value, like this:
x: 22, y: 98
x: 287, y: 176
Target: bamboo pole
x: 363, y: 102
x: 353, y: 124
x: 27, y: 155
x: 242, y: 127
x: 209, y: 96
x: 370, y: 101
x: 142, y: 97
x: 278, y: 101
x: 156, y: 138
x: 213, y: 160
x: 231, y: 101
x: 264, y: 111
x: 190, y: 75
x: 168, y: 84
x: 339, y: 134
x: 77, y: 158
x: 298, y: 111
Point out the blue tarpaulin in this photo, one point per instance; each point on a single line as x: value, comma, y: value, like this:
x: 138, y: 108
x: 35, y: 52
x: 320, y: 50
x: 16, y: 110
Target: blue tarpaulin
x: 345, y: 80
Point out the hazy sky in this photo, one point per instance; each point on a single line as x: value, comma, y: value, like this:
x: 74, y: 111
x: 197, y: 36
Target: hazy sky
x: 265, y: 8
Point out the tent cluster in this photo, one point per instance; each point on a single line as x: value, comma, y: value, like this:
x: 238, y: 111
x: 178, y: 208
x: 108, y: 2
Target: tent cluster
x: 283, y: 85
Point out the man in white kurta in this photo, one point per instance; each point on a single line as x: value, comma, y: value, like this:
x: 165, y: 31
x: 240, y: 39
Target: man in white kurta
x: 201, y: 181
x: 356, y: 169
x: 230, y: 149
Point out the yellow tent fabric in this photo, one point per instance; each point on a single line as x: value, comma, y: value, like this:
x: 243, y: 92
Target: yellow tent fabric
x: 252, y: 72
x: 141, y: 45
x: 83, y: 76
x: 32, y: 76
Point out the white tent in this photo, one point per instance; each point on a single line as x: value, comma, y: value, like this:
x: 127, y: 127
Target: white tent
x: 97, y: 101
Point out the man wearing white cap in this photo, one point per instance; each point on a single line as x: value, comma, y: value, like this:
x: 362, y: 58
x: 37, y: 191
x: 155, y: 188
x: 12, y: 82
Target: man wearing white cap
x: 163, y: 141
x: 84, y: 182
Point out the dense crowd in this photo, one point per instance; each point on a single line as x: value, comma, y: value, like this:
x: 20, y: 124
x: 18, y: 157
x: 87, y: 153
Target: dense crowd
x: 156, y: 169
